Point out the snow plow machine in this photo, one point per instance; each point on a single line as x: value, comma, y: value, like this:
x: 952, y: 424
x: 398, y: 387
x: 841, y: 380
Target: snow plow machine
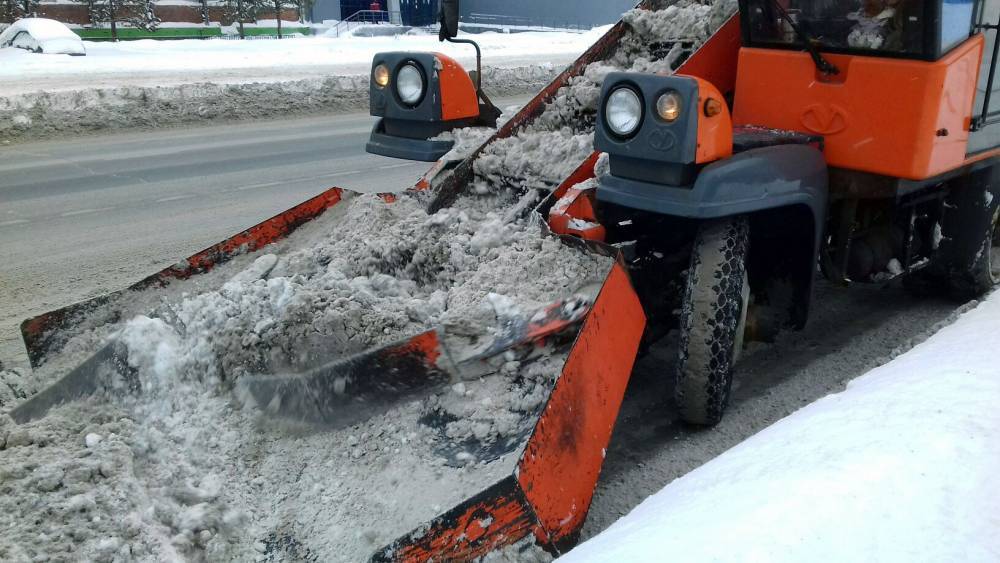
x: 739, y: 153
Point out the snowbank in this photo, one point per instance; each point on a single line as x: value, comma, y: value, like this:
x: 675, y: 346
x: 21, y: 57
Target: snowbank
x: 899, y: 467
x: 170, y: 61
x: 50, y: 113
x: 151, y: 83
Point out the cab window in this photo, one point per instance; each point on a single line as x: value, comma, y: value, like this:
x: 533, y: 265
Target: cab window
x: 922, y: 29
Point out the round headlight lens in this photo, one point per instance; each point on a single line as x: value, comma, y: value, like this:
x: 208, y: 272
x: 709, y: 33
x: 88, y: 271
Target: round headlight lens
x: 381, y: 76
x: 623, y: 111
x: 410, y: 84
x: 669, y: 106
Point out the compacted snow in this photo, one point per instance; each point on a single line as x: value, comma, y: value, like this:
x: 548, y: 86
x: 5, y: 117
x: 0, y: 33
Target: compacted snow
x: 175, y: 62
x: 186, y: 470
x: 901, y: 466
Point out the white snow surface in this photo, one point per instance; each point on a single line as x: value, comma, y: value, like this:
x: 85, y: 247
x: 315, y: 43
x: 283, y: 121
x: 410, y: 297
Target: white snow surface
x: 41, y: 29
x: 51, y: 36
x: 173, y: 61
x: 901, y: 466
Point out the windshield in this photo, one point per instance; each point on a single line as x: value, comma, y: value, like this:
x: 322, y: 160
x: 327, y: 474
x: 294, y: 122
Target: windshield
x: 889, y: 26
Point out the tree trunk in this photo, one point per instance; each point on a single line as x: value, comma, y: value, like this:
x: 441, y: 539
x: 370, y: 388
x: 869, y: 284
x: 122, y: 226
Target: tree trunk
x: 204, y: 13
x: 114, y: 27
x: 279, y: 19
x: 239, y: 17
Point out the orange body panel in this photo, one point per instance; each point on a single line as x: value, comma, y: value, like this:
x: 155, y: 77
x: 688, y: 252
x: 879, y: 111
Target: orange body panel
x: 715, y: 134
x: 562, y: 462
x: 574, y: 203
x: 716, y: 60
x: 900, y: 118
x: 459, y: 99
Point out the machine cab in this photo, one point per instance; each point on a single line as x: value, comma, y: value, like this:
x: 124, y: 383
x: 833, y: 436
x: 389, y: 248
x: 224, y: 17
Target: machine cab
x: 898, y: 97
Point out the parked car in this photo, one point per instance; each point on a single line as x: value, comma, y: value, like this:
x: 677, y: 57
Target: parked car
x: 41, y: 35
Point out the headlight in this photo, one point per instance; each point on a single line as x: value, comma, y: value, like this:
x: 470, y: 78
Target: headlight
x: 623, y: 111
x: 669, y: 106
x: 381, y: 76
x: 410, y: 84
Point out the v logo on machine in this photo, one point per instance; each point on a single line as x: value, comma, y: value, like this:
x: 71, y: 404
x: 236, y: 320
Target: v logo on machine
x: 824, y: 119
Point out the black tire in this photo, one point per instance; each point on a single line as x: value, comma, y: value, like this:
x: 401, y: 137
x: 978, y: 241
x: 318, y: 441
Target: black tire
x: 713, y: 320
x: 983, y: 275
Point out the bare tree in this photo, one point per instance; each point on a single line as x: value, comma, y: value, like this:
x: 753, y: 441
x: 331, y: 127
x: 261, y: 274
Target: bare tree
x: 304, y: 9
x: 135, y: 13
x: 241, y: 11
x: 278, y: 6
x: 13, y: 10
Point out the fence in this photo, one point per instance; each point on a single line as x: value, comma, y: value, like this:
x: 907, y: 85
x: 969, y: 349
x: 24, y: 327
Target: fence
x: 366, y: 17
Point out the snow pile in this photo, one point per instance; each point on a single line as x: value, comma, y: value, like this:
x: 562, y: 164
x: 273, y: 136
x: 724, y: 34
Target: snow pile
x: 656, y: 41
x: 200, y: 476
x: 57, y: 112
x: 41, y: 29
x: 171, y: 60
x: 899, y: 467
x: 15, y: 386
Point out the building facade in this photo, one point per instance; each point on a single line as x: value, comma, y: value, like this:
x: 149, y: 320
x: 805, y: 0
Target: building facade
x: 502, y: 13
x: 547, y: 13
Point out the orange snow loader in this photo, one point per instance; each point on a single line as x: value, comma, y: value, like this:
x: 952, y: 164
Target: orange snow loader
x: 793, y: 138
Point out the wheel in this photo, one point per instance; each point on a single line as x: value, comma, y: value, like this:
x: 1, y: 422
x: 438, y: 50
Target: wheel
x: 713, y: 320
x: 984, y: 272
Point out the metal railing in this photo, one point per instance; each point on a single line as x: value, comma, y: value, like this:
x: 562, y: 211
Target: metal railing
x: 989, y: 117
x: 367, y: 17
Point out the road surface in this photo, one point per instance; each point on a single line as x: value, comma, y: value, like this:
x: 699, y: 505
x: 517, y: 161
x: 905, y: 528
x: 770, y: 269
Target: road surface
x: 86, y: 216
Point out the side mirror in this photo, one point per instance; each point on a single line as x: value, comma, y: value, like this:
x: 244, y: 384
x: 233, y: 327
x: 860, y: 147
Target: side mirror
x: 449, y: 20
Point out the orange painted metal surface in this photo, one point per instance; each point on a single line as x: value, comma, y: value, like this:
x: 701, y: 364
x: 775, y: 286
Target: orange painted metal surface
x: 497, y: 517
x: 900, y: 118
x: 426, y: 346
x: 561, y: 463
x: 459, y: 99
x: 582, y: 173
x: 574, y: 214
x: 716, y: 60
x: 256, y: 237
x: 715, y: 133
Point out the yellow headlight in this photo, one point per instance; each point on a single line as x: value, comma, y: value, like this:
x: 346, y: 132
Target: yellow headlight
x: 381, y: 76
x: 669, y: 106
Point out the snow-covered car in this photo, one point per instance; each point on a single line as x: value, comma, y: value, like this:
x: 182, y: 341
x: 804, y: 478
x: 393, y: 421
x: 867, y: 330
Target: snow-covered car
x: 41, y: 35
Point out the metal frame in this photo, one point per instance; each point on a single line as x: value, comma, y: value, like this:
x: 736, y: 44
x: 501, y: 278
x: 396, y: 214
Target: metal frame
x: 987, y: 117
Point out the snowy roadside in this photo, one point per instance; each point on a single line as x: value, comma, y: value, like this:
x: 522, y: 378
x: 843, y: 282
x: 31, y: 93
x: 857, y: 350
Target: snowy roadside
x: 47, y: 114
x: 152, y: 84
x: 901, y: 466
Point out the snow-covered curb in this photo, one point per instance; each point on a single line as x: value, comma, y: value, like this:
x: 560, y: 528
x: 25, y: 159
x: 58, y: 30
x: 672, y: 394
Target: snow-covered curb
x: 46, y: 114
x: 901, y: 466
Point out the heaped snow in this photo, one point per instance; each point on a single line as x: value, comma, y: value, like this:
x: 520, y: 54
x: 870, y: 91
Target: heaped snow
x: 185, y: 61
x: 39, y: 34
x: 901, y: 466
x: 184, y: 470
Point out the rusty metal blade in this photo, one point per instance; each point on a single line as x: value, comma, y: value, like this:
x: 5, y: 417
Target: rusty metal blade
x: 347, y: 391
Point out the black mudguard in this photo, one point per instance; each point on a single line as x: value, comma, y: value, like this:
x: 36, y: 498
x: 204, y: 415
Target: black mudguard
x: 785, y: 191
